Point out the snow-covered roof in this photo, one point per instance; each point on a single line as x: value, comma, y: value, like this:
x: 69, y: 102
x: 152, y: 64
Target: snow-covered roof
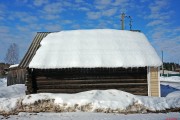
x: 95, y: 48
x: 13, y: 66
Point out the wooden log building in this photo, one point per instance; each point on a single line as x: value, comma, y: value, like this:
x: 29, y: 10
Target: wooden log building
x: 80, y: 60
x: 16, y: 75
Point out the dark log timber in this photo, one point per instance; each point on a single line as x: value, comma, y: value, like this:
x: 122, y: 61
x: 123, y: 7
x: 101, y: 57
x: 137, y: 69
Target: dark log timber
x: 133, y: 80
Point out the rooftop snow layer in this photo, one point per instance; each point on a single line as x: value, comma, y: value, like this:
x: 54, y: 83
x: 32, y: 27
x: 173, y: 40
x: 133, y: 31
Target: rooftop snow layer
x: 95, y: 48
x: 13, y: 66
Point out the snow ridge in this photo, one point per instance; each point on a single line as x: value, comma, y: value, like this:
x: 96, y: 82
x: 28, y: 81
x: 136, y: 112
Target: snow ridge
x: 107, y: 101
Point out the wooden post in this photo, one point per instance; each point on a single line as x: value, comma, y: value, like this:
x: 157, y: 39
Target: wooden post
x: 162, y: 64
x: 130, y: 23
x: 122, y: 20
x: 29, y: 81
x: 154, y: 82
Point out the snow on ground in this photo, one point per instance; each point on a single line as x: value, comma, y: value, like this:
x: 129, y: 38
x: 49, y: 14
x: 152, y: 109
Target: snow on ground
x: 169, y: 72
x: 174, y: 94
x: 13, y: 66
x: 175, y: 79
x: 11, y: 91
x: 92, y: 116
x: 3, y: 82
x: 169, y: 85
x: 107, y: 101
x: 84, y: 105
x: 166, y: 89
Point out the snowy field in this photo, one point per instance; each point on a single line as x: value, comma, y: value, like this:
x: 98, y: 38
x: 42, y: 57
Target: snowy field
x: 170, y: 85
x: 92, y: 116
x: 90, y: 105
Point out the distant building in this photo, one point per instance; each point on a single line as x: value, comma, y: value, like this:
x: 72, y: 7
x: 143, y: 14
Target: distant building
x: 3, y: 69
x: 178, y: 70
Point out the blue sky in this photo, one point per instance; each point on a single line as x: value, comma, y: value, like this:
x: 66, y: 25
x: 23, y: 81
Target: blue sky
x: 159, y: 20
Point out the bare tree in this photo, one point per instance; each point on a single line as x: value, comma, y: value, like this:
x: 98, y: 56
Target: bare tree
x: 12, y: 55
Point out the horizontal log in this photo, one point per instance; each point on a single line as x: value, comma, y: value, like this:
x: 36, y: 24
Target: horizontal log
x: 102, y: 85
x: 91, y: 72
x: 87, y: 89
x: 74, y: 75
x: 140, y: 92
x: 51, y: 82
x: 87, y: 70
x: 90, y: 77
x: 76, y: 90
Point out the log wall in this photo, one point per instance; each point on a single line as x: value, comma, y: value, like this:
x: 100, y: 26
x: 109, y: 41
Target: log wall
x: 133, y: 80
x: 16, y: 76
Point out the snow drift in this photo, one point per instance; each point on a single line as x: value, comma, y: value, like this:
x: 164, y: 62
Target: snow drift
x: 107, y: 101
x: 3, y: 82
x: 14, y: 100
x: 95, y: 48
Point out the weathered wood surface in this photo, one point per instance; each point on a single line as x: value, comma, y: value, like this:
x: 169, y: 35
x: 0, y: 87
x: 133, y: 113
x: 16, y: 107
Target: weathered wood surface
x: 16, y: 76
x: 78, y: 80
x: 46, y: 81
x: 134, y: 91
x: 154, y: 83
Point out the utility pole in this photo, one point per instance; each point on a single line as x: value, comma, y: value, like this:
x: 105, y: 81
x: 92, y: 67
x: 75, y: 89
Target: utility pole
x: 122, y: 21
x: 130, y: 22
x: 162, y: 63
x: 123, y: 16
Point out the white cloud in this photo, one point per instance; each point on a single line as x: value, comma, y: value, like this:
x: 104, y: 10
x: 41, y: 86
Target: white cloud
x: 170, y: 47
x: 158, y: 5
x: 52, y: 27
x: 67, y: 21
x: 120, y: 2
x: 67, y: 4
x: 84, y: 9
x: 110, y: 12
x: 22, y: 28
x: 53, y: 8
x: 35, y: 26
x: 40, y: 2
x: 103, y: 2
x: 22, y: 1
x: 76, y: 26
x: 51, y: 16
x: 159, y: 10
x: 167, y: 40
x: 144, y: 1
x: 2, y: 11
x: 164, y: 36
x: 107, y: 12
x: 155, y: 22
x: 23, y: 16
x: 79, y: 1
x: 177, y: 29
x: 94, y: 15
x: 2, y: 7
x: 4, y: 29
x: 29, y: 19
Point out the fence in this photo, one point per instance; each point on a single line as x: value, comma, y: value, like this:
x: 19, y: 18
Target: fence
x: 169, y: 75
